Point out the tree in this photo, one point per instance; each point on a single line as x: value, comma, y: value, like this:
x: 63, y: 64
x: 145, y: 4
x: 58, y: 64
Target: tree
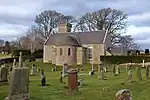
x: 111, y: 20
x: 16, y: 44
x: 1, y: 42
x: 127, y: 42
x: 47, y: 22
x: 7, y: 46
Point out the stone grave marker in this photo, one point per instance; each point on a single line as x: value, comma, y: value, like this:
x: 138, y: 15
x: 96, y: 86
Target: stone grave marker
x: 123, y: 94
x: 117, y: 70
x: 14, y: 63
x: 33, y: 70
x: 4, y: 73
x: 101, y: 72
x: 65, y: 70
x: 139, y: 75
x: 147, y: 71
x: 19, y: 85
x: 114, y: 69
x: 143, y: 63
x: 130, y: 74
x: 43, y: 78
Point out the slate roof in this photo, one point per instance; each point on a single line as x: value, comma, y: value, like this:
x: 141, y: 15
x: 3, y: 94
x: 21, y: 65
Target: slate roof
x: 76, y: 38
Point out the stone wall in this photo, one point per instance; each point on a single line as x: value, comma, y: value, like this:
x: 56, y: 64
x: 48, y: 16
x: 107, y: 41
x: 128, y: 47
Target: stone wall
x: 65, y: 58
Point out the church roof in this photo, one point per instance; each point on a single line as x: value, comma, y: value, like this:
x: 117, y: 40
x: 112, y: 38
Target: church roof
x: 76, y: 38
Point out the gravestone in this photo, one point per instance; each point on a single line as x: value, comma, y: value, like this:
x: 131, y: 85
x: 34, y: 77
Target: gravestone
x: 114, y: 69
x: 19, y: 85
x: 143, y: 63
x: 101, y: 72
x: 130, y: 74
x: 117, y: 70
x: 14, y: 63
x: 139, y: 76
x: 147, y: 71
x: 4, y: 73
x: 33, y: 70
x: 91, y: 73
x: 65, y: 70
x: 43, y: 78
x: 123, y: 94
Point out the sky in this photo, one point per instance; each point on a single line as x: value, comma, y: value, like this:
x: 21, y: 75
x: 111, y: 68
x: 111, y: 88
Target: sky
x: 16, y: 16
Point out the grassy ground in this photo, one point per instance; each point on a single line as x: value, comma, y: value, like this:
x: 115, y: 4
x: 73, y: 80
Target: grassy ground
x: 4, y: 56
x: 93, y: 89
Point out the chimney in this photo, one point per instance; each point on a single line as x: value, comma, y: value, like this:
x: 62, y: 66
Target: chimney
x: 64, y: 27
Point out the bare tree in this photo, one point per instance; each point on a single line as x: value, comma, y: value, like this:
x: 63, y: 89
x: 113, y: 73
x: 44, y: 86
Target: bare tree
x: 1, y: 42
x: 112, y: 20
x: 48, y: 21
x: 127, y: 42
x: 16, y: 44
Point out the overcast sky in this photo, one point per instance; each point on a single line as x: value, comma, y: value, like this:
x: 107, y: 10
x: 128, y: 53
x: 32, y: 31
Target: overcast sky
x: 17, y: 15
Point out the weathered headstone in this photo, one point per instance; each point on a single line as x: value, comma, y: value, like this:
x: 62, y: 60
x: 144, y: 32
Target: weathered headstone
x: 91, y: 73
x: 4, y: 73
x: 143, y: 63
x: 20, y: 60
x: 33, y: 70
x: 65, y: 70
x: 101, y: 72
x: 123, y: 94
x: 14, y: 63
x: 19, y: 85
x: 139, y: 76
x: 147, y: 71
x: 114, y: 69
x: 43, y: 78
x: 117, y: 70
x: 130, y: 74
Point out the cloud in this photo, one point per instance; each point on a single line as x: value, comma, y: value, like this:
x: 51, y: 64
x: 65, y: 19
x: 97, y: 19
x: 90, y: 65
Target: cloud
x: 17, y: 15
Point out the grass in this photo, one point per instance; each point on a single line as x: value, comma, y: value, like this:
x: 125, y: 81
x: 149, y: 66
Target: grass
x: 93, y: 89
x: 5, y: 56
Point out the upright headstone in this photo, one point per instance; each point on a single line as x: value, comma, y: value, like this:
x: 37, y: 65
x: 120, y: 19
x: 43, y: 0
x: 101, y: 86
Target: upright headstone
x: 114, y: 69
x: 101, y: 72
x: 33, y: 70
x: 4, y: 73
x: 14, y: 63
x: 147, y: 71
x: 43, y: 78
x: 123, y: 94
x: 143, y: 63
x: 117, y: 70
x: 130, y: 74
x: 19, y: 85
x: 139, y: 76
x: 65, y: 70
x: 20, y: 60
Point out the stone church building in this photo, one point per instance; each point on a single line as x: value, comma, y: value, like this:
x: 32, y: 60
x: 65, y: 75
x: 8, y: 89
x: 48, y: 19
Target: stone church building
x: 75, y: 47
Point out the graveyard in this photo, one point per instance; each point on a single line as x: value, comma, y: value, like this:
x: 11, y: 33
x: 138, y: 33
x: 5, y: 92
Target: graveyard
x: 91, y: 88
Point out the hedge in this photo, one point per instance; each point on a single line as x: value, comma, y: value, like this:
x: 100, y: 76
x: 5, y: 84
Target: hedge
x: 124, y: 59
x: 38, y: 54
x: 15, y: 53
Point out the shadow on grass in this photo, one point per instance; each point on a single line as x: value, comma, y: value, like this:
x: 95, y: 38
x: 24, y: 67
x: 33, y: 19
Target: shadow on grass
x: 4, y: 83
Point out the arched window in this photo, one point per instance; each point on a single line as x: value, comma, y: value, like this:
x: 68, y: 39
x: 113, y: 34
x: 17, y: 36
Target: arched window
x: 61, y: 51
x: 69, y: 51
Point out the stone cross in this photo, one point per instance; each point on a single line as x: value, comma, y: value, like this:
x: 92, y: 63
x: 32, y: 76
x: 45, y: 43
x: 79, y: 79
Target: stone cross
x: 4, y: 73
x: 14, y: 63
x: 123, y: 94
x: 20, y: 60
x: 139, y: 73
x: 19, y: 84
x: 147, y: 71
